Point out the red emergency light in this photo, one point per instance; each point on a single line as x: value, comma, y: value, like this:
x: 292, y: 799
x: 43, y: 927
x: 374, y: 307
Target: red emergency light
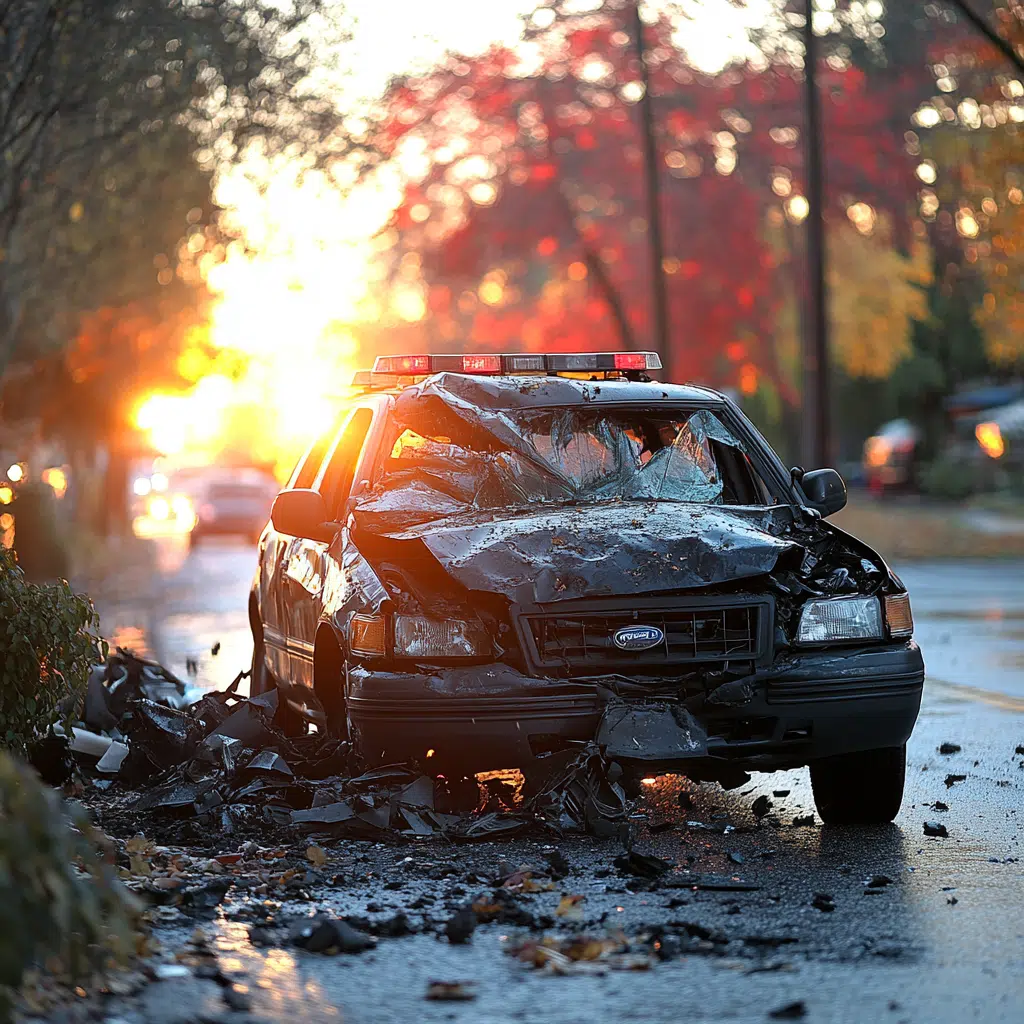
x: 516, y: 363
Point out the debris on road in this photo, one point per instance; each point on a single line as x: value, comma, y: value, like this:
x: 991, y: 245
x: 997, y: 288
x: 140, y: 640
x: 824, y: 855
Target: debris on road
x: 761, y: 806
x: 939, y: 806
x: 791, y: 1011
x: 935, y: 829
x: 460, y: 926
x: 235, y: 765
x: 950, y: 748
x: 324, y: 934
x: 824, y: 902
x: 642, y: 865
x: 451, y: 991
x: 952, y: 780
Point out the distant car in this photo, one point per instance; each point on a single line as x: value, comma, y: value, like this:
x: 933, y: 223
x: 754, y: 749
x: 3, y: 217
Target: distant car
x: 890, y: 457
x: 232, y: 503
x: 495, y: 559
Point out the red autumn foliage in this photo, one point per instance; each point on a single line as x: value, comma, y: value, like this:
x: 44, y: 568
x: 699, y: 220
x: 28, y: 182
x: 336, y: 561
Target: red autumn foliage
x: 560, y: 143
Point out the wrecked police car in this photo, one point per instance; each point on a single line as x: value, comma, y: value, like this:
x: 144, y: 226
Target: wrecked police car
x: 494, y: 558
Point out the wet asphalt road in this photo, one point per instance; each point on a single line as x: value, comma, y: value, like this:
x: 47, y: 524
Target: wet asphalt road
x: 943, y: 942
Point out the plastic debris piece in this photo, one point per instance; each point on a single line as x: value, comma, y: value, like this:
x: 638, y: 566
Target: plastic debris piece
x: 790, y: 1011
x: 460, y: 926
x: 936, y: 830
x: 323, y: 934
x: 111, y: 761
x: 451, y: 991
x: 642, y: 865
x: 269, y: 761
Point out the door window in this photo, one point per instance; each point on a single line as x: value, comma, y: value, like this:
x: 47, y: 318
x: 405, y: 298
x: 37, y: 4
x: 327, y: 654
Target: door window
x: 309, y: 465
x: 337, y: 478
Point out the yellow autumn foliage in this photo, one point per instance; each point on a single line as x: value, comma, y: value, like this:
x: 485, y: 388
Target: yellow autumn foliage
x: 875, y: 294
x: 999, y: 255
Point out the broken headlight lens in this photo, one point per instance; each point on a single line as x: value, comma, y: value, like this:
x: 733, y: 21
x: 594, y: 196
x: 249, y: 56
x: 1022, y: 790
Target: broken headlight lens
x: 416, y: 636
x: 840, y: 618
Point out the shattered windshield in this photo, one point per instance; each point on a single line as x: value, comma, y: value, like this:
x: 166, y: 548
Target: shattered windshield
x: 444, y: 465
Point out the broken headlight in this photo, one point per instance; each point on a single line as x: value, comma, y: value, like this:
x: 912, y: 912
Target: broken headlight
x: 840, y: 618
x: 417, y: 636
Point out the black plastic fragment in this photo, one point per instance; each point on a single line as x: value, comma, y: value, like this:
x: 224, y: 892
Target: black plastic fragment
x: 642, y: 865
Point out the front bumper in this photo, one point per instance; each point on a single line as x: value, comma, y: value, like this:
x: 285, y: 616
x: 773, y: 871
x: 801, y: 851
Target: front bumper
x: 807, y: 705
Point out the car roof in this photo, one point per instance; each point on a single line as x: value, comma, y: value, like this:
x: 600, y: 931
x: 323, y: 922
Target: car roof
x: 540, y: 391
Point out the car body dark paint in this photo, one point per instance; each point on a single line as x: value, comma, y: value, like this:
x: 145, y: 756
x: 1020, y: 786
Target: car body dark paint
x: 803, y: 704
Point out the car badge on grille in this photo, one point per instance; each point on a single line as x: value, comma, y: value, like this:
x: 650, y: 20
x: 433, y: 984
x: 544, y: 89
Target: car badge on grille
x: 638, y: 638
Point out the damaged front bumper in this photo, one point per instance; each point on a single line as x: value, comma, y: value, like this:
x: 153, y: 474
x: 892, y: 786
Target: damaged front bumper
x: 804, y: 706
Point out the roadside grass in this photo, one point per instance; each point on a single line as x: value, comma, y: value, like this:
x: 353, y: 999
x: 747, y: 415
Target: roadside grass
x: 912, y: 529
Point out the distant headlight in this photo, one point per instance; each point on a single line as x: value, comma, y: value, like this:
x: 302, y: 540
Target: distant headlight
x: 419, y: 637
x: 840, y: 618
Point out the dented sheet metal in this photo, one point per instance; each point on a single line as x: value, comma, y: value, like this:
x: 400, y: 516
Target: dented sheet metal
x: 613, y: 548
x: 650, y: 731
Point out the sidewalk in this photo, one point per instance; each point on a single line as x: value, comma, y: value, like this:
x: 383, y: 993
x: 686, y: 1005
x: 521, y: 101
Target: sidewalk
x: 910, y: 528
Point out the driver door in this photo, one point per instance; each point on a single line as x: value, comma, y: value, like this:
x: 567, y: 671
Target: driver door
x: 305, y: 561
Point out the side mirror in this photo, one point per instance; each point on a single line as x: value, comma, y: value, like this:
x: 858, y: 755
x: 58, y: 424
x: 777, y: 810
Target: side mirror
x: 825, y: 490
x: 300, y: 513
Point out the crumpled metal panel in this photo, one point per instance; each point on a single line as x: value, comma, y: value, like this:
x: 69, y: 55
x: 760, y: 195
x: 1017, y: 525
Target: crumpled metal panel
x: 650, y: 731
x: 614, y: 548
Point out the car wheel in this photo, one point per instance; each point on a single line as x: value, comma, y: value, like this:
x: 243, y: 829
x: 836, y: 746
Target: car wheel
x: 860, y: 789
x: 262, y: 680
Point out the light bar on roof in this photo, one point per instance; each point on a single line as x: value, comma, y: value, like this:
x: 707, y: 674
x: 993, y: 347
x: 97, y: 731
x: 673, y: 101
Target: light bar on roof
x: 582, y: 362
x: 512, y: 363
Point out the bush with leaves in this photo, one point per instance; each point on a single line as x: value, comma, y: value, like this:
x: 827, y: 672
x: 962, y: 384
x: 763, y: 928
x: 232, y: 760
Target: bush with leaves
x: 950, y: 478
x: 47, y: 645
x: 61, y: 902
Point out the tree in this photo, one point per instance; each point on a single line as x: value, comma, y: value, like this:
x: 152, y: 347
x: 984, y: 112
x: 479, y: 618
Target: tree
x: 113, y: 116
x: 522, y: 219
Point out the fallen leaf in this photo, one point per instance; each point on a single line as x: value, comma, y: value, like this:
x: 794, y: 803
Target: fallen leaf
x: 571, y: 907
x: 139, y: 865
x: 316, y: 855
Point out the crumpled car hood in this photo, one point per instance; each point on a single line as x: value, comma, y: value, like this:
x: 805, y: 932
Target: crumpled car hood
x: 614, y: 549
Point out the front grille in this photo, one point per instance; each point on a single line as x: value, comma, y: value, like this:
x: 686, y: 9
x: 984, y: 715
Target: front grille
x: 694, y: 635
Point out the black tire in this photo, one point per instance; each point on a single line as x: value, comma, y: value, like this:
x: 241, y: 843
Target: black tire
x: 860, y: 789
x: 261, y: 680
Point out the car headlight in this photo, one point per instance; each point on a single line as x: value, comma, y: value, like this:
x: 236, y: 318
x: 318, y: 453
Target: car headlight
x: 417, y: 636
x: 840, y: 618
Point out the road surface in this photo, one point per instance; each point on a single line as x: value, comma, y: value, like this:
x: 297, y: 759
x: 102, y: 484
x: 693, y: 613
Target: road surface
x: 943, y: 942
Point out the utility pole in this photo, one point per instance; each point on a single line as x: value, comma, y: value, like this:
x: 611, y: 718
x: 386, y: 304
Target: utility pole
x: 816, y: 439
x: 652, y: 196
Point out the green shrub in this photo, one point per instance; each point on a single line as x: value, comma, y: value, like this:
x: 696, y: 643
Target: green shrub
x: 950, y: 478
x: 38, y: 534
x: 47, y: 645
x: 60, y: 900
